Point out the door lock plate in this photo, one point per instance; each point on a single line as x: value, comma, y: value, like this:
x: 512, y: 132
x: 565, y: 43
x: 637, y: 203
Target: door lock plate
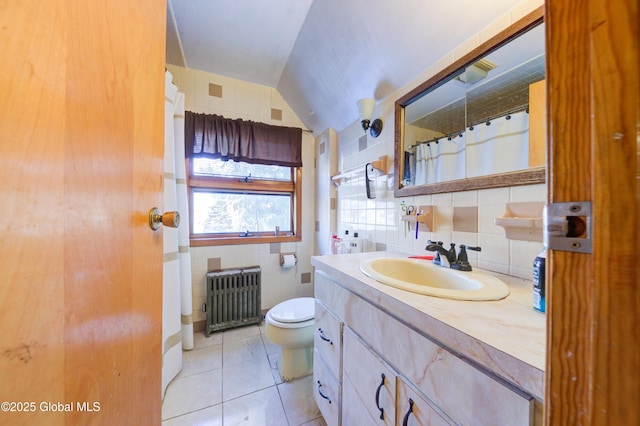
x: 567, y: 226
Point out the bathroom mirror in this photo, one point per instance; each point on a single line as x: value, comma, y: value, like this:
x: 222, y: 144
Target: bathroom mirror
x: 479, y: 123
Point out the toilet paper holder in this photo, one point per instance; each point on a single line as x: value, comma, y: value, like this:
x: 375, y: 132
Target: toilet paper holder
x: 282, y: 259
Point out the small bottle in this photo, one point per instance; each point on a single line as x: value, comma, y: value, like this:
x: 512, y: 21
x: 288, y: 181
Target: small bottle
x: 539, y: 281
x: 356, y: 244
x: 346, y: 243
x: 335, y: 244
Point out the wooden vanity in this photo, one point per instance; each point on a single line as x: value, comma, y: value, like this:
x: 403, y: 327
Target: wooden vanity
x: 387, y: 356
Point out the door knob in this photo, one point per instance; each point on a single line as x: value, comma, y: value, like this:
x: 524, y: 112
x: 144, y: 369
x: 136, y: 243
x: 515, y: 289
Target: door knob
x: 169, y: 219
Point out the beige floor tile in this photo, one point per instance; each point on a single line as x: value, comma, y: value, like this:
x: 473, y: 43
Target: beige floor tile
x: 201, y: 360
x: 201, y: 340
x: 256, y: 409
x: 242, y: 378
x: 297, y: 398
x: 315, y: 422
x: 270, y: 347
x: 243, y: 349
x: 274, y: 362
x: 234, y: 366
x: 240, y: 333
x: 211, y: 416
x: 192, y: 393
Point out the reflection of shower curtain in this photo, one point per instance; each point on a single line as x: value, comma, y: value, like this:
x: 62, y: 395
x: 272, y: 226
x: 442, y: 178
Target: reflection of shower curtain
x: 442, y: 161
x: 177, y: 319
x: 501, y: 147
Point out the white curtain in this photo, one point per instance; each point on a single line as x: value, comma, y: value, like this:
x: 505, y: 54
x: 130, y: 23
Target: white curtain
x: 177, y: 312
x: 500, y: 147
x: 442, y: 161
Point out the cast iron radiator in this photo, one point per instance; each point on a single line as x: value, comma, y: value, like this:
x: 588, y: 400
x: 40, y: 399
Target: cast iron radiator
x: 233, y: 298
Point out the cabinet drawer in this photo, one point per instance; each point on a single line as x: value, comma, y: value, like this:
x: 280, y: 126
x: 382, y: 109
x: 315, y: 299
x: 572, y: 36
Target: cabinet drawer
x: 326, y: 391
x: 327, y: 338
x: 413, y: 409
x: 368, y: 385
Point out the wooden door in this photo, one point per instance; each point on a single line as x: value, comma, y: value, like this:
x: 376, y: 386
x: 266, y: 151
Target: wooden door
x: 593, y: 362
x: 81, y: 113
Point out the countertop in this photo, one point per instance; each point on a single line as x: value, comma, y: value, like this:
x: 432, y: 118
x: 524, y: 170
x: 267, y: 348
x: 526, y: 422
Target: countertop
x: 507, y: 337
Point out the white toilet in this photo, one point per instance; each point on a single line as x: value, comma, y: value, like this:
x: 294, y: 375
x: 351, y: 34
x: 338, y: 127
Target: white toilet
x: 289, y: 324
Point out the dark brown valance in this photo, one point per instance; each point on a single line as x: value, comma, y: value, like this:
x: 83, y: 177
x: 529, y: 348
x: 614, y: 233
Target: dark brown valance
x: 214, y: 136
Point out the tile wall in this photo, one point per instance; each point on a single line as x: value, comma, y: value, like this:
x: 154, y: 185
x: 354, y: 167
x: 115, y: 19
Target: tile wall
x: 215, y: 94
x: 461, y: 217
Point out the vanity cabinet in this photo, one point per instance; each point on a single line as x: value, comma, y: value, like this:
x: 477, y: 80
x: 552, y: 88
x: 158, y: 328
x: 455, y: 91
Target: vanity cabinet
x: 445, y: 387
x: 374, y: 393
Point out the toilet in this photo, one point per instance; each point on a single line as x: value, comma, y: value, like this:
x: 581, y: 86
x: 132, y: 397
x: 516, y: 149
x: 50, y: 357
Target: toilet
x: 289, y: 324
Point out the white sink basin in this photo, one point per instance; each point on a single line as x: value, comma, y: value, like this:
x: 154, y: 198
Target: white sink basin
x: 423, y: 277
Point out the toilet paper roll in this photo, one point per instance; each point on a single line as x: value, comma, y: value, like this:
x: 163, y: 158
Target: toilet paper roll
x: 288, y: 261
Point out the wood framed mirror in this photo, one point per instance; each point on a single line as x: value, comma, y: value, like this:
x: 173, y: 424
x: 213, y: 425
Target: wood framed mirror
x: 479, y: 123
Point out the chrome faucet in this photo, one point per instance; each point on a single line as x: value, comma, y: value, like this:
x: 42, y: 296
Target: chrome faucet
x: 448, y: 258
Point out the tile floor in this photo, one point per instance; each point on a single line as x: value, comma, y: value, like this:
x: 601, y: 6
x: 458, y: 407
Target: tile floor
x: 231, y: 378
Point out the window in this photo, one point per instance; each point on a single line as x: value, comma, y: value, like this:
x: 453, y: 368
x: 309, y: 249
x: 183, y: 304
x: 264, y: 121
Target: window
x: 239, y: 203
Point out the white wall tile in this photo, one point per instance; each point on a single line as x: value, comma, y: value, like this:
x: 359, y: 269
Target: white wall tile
x: 465, y: 198
x: 529, y: 193
x: 248, y: 101
x: 524, y: 8
x: 494, y: 28
x: 498, y: 253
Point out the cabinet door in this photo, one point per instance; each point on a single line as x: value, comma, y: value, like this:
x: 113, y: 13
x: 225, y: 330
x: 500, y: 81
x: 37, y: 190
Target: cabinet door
x: 464, y: 392
x: 368, y: 385
x: 413, y: 409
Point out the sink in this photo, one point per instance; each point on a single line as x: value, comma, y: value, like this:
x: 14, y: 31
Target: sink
x: 423, y: 277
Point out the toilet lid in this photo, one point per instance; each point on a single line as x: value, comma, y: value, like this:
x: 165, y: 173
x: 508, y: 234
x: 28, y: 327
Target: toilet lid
x: 294, y: 310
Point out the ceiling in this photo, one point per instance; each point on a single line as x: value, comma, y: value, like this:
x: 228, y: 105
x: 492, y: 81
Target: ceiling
x: 323, y: 55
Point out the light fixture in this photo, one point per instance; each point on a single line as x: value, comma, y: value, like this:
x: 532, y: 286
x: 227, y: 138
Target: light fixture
x: 476, y: 71
x: 365, y: 108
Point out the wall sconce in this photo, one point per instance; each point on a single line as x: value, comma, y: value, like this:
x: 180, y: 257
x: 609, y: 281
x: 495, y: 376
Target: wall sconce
x: 365, y: 108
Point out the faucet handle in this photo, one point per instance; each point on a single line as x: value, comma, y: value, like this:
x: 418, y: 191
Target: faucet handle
x: 463, y: 260
x: 462, y: 256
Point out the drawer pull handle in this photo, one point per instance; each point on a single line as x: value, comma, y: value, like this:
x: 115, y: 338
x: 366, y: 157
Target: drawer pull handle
x: 321, y: 394
x: 324, y: 338
x: 405, y: 421
x: 378, y: 397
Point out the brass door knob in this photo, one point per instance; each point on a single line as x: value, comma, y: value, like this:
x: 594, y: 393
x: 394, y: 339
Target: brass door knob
x: 169, y: 219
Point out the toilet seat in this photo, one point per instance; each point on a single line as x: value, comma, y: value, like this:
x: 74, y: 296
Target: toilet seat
x: 293, y: 313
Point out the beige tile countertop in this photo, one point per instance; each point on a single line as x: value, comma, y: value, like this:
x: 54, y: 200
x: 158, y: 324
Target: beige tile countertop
x: 507, y: 337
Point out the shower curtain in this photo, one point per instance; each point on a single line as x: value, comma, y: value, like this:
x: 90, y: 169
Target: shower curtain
x: 500, y: 147
x: 177, y: 312
x: 442, y: 161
